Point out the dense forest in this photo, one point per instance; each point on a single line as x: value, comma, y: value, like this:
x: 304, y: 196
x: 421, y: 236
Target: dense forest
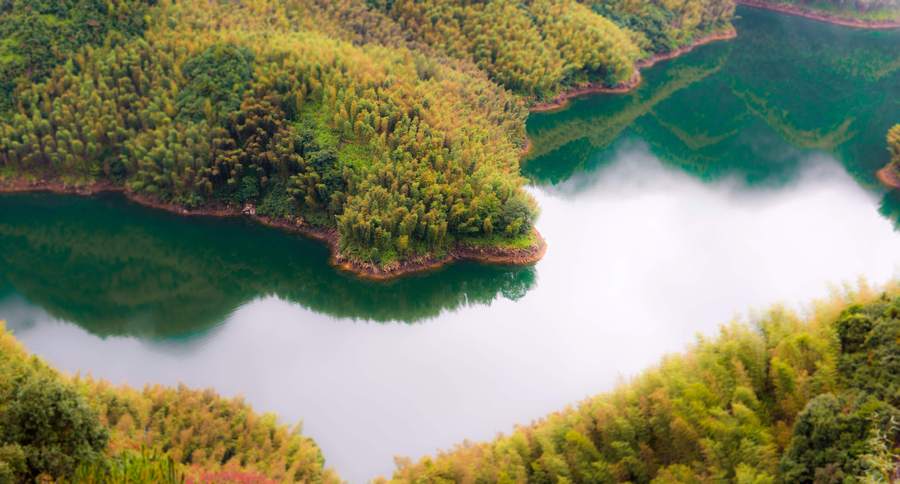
x: 539, y: 47
x: 534, y: 48
x: 783, y: 400
x: 397, y: 124
x: 663, y: 26
x: 786, y: 399
x: 84, y: 430
x: 248, y: 104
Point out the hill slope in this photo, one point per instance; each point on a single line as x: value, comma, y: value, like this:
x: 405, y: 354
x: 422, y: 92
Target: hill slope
x: 785, y: 400
x: 90, y: 431
x: 392, y: 130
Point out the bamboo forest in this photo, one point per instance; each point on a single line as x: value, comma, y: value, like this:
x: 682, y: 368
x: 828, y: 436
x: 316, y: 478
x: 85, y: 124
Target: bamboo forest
x: 449, y: 241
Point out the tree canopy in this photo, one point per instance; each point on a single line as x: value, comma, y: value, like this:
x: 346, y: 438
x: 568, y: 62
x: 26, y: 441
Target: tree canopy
x: 86, y: 430
x: 285, y: 106
x: 787, y: 400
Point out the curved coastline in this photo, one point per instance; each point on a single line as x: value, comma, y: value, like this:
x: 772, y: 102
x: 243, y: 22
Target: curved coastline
x: 562, y: 100
x: 327, y: 236
x: 889, y: 177
x: 822, y: 16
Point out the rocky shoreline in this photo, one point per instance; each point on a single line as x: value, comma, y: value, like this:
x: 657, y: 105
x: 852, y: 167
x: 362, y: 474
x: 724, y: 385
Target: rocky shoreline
x: 822, y: 16
x: 328, y: 236
x: 562, y: 100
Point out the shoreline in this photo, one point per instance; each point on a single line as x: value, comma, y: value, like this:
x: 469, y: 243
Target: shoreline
x: 888, y: 177
x: 822, y: 16
x: 561, y: 101
x: 327, y: 236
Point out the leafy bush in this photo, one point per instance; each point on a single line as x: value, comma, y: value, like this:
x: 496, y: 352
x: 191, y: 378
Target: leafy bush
x: 46, y: 427
x: 870, y: 353
x: 831, y: 437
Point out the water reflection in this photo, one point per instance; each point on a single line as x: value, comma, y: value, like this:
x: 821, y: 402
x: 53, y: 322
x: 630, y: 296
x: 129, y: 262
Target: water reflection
x: 752, y: 108
x: 644, y: 256
x: 119, y: 269
x: 666, y: 210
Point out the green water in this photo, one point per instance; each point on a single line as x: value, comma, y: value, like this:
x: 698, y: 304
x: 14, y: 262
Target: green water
x: 751, y: 108
x: 117, y: 268
x: 736, y: 176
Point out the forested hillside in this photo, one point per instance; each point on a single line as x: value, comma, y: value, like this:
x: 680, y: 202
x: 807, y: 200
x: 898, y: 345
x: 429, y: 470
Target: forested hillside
x: 786, y: 399
x: 37, y: 35
x: 538, y: 48
x: 783, y: 400
x: 534, y: 48
x: 85, y: 430
x: 280, y: 105
x: 663, y: 26
x: 395, y: 124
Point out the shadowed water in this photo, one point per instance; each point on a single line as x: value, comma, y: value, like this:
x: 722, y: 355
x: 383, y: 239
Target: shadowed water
x: 725, y: 183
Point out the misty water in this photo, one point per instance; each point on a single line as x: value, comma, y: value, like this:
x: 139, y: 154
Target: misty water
x: 735, y: 177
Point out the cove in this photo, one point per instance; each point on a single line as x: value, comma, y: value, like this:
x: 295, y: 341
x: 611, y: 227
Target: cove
x: 737, y: 176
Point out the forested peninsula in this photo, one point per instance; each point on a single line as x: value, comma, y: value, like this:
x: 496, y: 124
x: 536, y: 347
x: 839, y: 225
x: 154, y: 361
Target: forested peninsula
x: 391, y: 130
x: 785, y: 399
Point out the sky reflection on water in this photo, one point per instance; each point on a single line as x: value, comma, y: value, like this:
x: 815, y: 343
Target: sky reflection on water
x: 642, y: 257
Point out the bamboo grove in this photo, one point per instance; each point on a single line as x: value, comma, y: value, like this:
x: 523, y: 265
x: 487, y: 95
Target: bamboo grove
x: 663, y: 26
x: 398, y: 124
x: 534, y: 48
x: 786, y: 400
x: 85, y: 430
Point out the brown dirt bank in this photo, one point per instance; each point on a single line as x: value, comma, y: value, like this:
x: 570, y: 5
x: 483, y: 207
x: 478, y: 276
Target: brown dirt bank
x: 889, y: 177
x: 461, y: 252
x: 822, y: 16
x: 328, y: 236
x: 562, y: 100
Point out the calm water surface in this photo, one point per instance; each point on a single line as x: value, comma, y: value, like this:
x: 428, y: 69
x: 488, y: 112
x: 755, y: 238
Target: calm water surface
x: 735, y: 177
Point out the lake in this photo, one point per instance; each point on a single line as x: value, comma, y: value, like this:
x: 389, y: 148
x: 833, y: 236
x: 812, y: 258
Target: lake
x: 735, y: 177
